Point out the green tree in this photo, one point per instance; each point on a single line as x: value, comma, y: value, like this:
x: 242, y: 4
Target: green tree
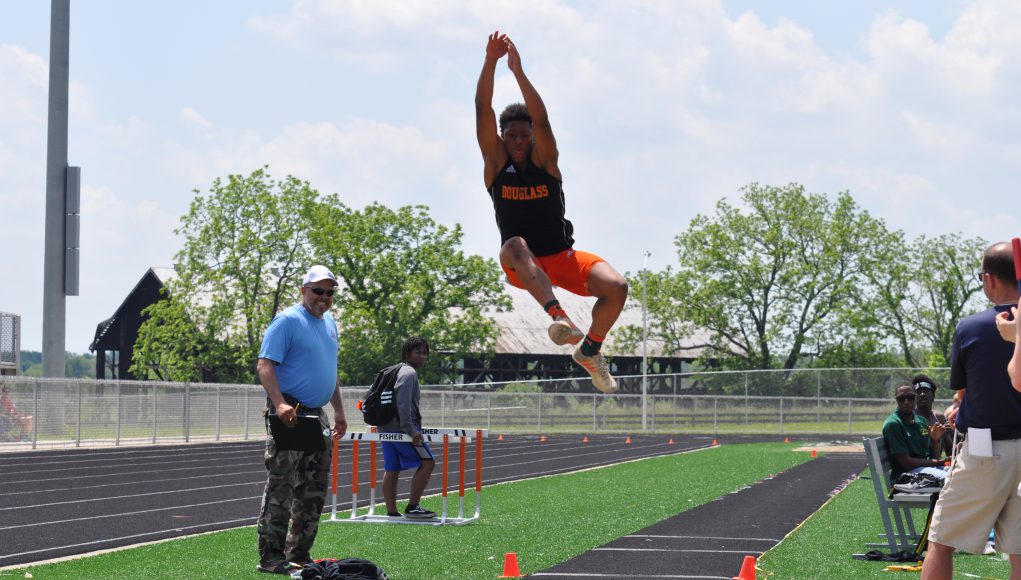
x: 76, y: 366
x: 764, y: 280
x: 403, y: 274
x: 245, y: 248
x: 918, y: 292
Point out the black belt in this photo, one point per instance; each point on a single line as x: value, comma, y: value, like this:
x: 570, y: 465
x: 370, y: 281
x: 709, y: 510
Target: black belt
x: 292, y: 402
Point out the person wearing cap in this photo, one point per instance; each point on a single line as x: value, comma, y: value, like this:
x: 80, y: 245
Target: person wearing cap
x: 298, y: 369
x: 925, y: 393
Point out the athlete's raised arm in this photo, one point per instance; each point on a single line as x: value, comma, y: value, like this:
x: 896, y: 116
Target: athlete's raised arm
x: 545, y: 153
x: 493, y: 153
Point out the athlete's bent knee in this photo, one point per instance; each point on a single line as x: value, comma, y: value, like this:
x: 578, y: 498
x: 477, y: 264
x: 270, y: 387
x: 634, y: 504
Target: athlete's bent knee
x: 515, y: 249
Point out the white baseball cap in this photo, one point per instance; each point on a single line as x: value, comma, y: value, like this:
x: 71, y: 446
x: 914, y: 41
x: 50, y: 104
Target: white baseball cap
x: 317, y: 273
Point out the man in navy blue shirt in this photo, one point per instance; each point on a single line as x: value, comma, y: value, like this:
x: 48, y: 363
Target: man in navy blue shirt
x: 981, y: 491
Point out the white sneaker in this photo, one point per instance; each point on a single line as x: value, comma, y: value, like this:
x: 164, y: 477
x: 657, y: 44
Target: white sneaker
x: 596, y: 367
x: 563, y: 331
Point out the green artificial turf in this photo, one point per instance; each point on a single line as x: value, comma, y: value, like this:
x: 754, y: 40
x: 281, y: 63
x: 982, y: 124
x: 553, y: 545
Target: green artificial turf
x: 822, y: 546
x: 545, y: 521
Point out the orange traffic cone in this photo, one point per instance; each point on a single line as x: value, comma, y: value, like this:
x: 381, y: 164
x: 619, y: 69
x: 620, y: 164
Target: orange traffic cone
x: 628, y: 440
x: 813, y: 454
x: 510, y: 566
x: 747, y: 569
x: 542, y: 439
x: 585, y: 440
x: 786, y: 439
x: 671, y: 441
x: 714, y: 442
x: 500, y: 438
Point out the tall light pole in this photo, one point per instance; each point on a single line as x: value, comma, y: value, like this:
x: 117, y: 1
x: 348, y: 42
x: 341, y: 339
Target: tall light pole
x: 645, y: 342
x: 53, y: 288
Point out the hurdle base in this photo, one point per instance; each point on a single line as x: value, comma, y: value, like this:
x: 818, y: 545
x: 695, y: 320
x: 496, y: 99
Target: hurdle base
x: 384, y: 519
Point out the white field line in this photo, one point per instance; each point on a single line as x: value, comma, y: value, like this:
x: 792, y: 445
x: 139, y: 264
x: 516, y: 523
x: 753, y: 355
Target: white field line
x: 700, y: 538
x: 129, y: 496
x: 675, y: 550
x: 630, y: 575
x: 126, y: 484
x: 114, y: 462
x: 149, y: 451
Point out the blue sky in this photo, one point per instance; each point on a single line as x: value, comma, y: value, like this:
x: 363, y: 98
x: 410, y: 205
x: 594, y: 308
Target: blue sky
x: 660, y: 108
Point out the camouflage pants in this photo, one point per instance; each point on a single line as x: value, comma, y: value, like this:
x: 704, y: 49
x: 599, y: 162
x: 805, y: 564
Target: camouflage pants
x: 296, y: 486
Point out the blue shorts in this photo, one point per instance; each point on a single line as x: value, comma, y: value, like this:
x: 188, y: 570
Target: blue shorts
x: 401, y: 456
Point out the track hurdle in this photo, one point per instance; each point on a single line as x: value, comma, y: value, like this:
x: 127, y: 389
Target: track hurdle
x: 460, y: 436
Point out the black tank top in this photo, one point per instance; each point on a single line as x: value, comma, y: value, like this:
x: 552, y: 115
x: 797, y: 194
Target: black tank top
x: 530, y: 203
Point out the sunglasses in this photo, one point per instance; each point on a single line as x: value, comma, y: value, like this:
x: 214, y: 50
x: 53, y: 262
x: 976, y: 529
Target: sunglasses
x: 320, y: 291
x: 903, y: 398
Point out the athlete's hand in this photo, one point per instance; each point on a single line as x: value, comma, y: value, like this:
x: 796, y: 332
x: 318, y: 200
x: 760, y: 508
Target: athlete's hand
x: 1006, y: 326
x: 513, y: 58
x: 952, y: 417
x: 339, y: 425
x: 496, y: 48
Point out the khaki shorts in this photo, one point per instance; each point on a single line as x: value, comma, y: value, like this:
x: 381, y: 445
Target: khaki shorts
x: 980, y: 495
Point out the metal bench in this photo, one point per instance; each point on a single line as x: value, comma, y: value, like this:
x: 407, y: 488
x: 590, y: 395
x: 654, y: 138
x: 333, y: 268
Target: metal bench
x: 900, y: 532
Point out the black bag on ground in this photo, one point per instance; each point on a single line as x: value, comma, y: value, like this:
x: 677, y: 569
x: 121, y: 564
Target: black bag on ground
x: 378, y: 405
x: 346, y: 569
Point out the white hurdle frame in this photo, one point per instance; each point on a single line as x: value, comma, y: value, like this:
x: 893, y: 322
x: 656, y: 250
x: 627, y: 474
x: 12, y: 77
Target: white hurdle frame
x: 431, y: 435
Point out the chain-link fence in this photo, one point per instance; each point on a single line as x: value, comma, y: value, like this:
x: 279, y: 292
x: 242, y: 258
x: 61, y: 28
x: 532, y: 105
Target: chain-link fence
x: 63, y: 412
x: 10, y: 343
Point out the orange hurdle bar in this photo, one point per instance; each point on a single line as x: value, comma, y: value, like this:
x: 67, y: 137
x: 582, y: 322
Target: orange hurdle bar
x: 446, y: 454
x: 354, y: 476
x: 333, y: 478
x: 460, y: 480
x: 478, y: 473
x: 372, y: 477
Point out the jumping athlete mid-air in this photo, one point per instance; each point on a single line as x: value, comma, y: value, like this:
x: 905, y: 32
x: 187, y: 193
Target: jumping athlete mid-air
x: 525, y: 184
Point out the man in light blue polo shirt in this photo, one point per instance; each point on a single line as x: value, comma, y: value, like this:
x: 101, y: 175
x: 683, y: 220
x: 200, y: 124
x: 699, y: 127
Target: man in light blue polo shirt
x: 298, y: 369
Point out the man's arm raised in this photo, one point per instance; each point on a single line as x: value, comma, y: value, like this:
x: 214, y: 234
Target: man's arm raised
x: 545, y: 153
x: 493, y: 153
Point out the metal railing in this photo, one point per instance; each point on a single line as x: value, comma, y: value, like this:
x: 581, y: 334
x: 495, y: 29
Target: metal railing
x: 71, y: 413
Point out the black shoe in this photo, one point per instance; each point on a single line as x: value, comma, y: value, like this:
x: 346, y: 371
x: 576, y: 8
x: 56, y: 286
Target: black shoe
x: 395, y: 514
x: 419, y: 513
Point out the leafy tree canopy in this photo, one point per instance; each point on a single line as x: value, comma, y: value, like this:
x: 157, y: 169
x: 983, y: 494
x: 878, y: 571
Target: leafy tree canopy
x: 248, y: 241
x: 789, y: 278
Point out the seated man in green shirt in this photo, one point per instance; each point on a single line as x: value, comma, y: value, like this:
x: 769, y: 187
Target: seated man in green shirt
x: 913, y: 446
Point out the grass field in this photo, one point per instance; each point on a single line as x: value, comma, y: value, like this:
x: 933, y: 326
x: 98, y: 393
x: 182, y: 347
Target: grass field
x: 545, y: 521
x: 822, y: 546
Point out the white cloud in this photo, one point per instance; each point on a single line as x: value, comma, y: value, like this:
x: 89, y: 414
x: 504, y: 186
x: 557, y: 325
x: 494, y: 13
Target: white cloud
x: 944, y: 140
x: 192, y: 117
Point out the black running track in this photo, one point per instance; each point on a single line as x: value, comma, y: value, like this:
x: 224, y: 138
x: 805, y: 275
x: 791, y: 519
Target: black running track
x: 66, y: 502
x: 711, y: 541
